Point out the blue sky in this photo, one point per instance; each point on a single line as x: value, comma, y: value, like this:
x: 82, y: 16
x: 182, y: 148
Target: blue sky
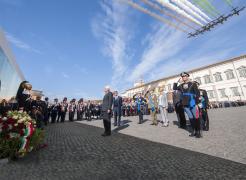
x: 75, y: 48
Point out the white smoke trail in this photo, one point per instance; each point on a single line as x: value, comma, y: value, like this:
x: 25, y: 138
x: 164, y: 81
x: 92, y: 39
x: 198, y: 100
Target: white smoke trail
x: 144, y: 10
x: 167, y: 4
x: 189, y: 10
x: 192, y: 6
x: 155, y: 6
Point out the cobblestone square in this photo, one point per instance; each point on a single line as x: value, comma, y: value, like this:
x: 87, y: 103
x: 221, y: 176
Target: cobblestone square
x: 225, y: 139
x: 77, y: 151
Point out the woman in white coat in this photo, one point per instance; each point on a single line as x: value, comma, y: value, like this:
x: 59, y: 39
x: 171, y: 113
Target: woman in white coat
x: 163, y: 105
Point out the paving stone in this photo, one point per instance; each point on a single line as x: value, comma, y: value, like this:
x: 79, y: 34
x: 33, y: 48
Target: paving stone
x: 78, y: 151
x: 225, y: 139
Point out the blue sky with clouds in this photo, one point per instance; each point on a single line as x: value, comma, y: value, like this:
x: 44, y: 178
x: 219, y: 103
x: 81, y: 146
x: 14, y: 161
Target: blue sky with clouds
x: 74, y: 48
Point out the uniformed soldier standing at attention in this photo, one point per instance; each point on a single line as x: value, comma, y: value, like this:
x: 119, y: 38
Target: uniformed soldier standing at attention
x: 190, y: 100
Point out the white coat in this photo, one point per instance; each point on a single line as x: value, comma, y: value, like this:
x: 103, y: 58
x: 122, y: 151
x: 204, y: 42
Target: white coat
x: 162, y: 100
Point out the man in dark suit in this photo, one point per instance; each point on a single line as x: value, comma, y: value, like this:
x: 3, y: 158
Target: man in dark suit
x: 179, y: 109
x: 46, y: 111
x: 117, y: 105
x: 140, y: 102
x: 203, y: 107
x: 107, y: 111
x: 54, y: 110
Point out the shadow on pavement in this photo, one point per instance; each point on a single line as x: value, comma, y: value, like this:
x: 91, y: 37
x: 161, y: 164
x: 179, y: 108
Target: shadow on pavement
x: 121, y: 128
x: 144, y: 121
x: 126, y: 121
x: 188, y: 128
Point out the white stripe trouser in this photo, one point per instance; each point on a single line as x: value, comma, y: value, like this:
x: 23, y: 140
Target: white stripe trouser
x: 164, y: 115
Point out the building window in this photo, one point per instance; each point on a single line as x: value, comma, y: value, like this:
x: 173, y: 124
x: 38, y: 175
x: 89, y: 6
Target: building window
x: 242, y: 71
x: 222, y: 93
x: 211, y: 94
x: 235, y: 91
x: 229, y: 74
x: 218, y: 77
x: 198, y: 79
x: 207, y: 79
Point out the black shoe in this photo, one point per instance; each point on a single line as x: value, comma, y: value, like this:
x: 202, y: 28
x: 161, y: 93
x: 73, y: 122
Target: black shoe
x: 106, y: 134
x: 192, y: 134
x: 198, y: 135
x: 139, y: 123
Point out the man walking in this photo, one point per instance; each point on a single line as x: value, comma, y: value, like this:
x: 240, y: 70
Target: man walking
x: 117, y: 105
x: 107, y: 111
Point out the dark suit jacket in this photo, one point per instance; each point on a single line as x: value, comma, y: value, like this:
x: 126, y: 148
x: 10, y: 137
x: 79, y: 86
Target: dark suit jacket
x: 205, y: 95
x: 107, y: 105
x: 117, y: 104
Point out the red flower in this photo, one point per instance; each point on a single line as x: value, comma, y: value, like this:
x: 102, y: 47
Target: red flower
x: 21, y: 132
x: 5, y: 127
x: 21, y: 126
x: 11, y: 121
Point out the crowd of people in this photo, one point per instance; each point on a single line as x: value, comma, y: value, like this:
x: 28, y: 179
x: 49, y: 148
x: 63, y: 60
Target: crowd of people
x: 187, y: 99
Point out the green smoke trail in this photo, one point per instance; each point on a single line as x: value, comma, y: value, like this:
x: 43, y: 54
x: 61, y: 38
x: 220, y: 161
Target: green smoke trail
x: 205, y: 7
x: 229, y: 2
x: 210, y: 6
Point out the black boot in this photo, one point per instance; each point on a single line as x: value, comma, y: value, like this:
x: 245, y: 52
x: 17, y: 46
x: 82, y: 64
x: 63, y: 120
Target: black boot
x: 192, y: 134
x: 198, y: 134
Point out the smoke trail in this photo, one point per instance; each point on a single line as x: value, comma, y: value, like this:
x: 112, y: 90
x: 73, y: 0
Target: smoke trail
x: 229, y: 2
x: 155, y: 6
x: 167, y: 4
x: 204, y: 7
x: 210, y: 6
x: 188, y: 9
x: 144, y: 10
x: 192, y: 6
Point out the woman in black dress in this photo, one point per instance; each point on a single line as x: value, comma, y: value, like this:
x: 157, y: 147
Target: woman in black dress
x: 23, y: 96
